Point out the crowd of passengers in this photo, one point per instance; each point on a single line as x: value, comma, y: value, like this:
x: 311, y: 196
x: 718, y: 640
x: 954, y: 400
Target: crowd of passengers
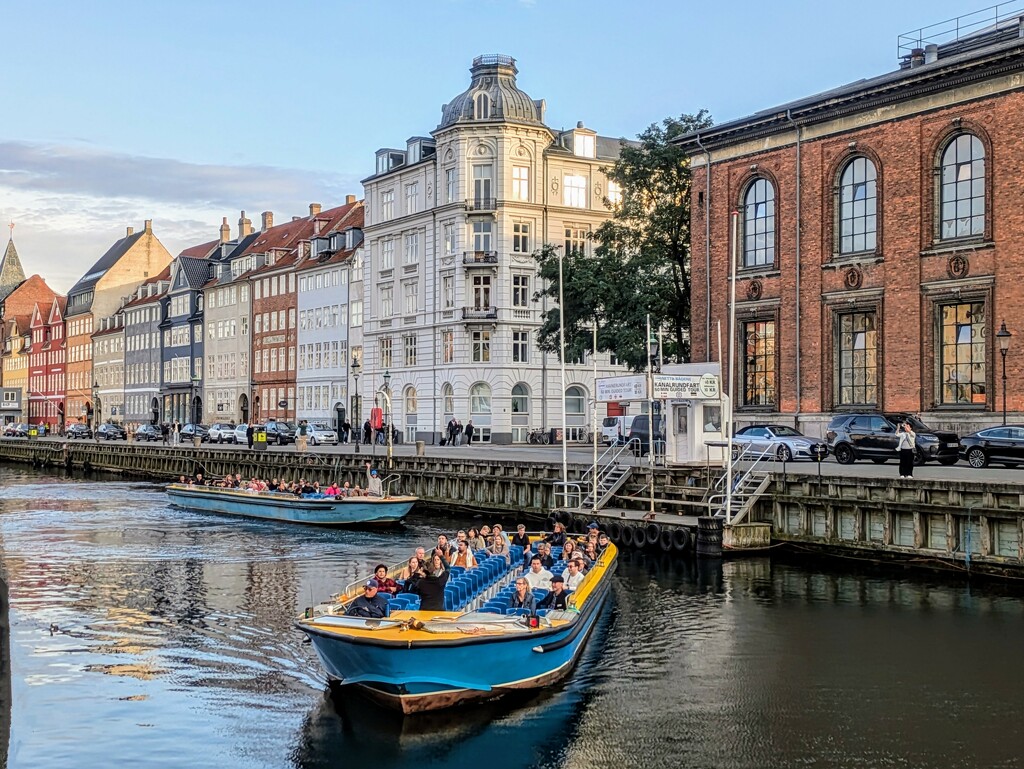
x: 300, y: 488
x: 426, y: 574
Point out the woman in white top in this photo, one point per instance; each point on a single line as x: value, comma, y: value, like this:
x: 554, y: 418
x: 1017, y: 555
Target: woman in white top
x: 906, y: 445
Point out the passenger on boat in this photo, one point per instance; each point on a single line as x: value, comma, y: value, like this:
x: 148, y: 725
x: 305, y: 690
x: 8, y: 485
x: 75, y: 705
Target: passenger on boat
x: 181, y: 479
x: 544, y: 553
x: 432, y: 583
x: 498, y: 531
x: 332, y: 490
x: 523, y: 598
x: 464, y: 556
x: 569, y: 550
x: 590, y: 551
x: 573, y: 574
x: 485, y: 533
x: 500, y: 548
x: 200, y: 480
x: 346, y: 490
x: 371, y: 604
x: 357, y: 491
x: 421, y: 555
x: 522, y: 539
x: 557, y: 537
x: 411, y: 567
x: 460, y: 536
x: 374, y: 486
x: 556, y: 599
x: 593, y: 532
x: 444, y: 547
x: 538, y: 576
x: 384, y: 583
x: 476, y: 542
x: 602, y: 542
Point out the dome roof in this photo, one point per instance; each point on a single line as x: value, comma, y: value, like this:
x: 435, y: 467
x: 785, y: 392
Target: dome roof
x: 493, y: 95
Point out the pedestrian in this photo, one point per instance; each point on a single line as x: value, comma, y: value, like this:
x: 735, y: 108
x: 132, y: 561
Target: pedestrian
x: 302, y: 437
x: 165, y: 432
x: 249, y: 431
x: 367, y: 432
x: 906, y: 445
x: 469, y: 431
x: 346, y: 431
x: 177, y: 433
x: 458, y: 432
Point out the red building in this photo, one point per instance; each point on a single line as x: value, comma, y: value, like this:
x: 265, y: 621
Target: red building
x: 47, y: 364
x: 879, y: 245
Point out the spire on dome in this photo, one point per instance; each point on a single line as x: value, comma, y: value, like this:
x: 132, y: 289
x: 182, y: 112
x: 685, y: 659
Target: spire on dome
x: 11, y: 272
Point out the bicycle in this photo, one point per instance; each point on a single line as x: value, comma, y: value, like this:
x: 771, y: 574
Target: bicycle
x: 539, y: 436
x: 584, y: 436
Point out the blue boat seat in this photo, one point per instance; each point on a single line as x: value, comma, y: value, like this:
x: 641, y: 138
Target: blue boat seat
x: 457, y: 570
x: 414, y: 603
x: 491, y: 610
x: 519, y: 612
x: 556, y: 552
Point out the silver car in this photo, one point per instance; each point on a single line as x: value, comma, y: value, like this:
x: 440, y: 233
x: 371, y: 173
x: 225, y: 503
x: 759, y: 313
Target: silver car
x: 319, y: 433
x: 778, y: 441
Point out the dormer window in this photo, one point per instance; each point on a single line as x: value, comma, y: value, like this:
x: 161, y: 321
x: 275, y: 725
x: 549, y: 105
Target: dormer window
x: 481, y: 106
x: 584, y: 145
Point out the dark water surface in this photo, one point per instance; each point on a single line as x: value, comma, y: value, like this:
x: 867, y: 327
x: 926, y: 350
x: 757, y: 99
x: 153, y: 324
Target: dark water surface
x: 173, y: 646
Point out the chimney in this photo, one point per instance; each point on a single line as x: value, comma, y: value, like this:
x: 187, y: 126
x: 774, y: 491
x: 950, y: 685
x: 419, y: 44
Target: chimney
x: 916, y: 57
x: 225, y: 231
x: 296, y: 218
x: 244, y: 226
x: 350, y: 199
x: 131, y: 231
x: 314, y: 209
x: 268, y: 220
x: 149, y: 225
x: 931, y: 53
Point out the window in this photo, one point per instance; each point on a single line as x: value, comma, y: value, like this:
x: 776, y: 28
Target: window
x: 520, y: 290
x: 448, y: 399
x: 576, y: 239
x: 412, y: 248
x: 412, y: 297
x: 614, y: 194
x: 481, y: 106
x: 387, y: 302
x: 451, y: 242
x: 857, y: 200
x: 412, y: 198
x: 520, y: 399
x: 584, y: 145
x: 482, y: 235
x: 521, y: 237
x: 962, y: 356
x: 409, y: 342
x: 387, y: 205
x: 385, y: 353
x: 759, y: 363
x: 481, y: 292
x: 448, y: 346
x: 481, y: 346
x: 451, y: 185
x: 480, y: 399
x: 481, y: 186
x: 759, y: 224
x: 520, y: 346
x: 356, y: 309
x: 387, y: 254
x: 521, y: 183
x: 858, y: 364
x: 574, y: 191
x: 963, y: 188
x: 411, y: 400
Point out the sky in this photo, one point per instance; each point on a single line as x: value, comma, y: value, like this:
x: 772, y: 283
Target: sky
x: 116, y: 112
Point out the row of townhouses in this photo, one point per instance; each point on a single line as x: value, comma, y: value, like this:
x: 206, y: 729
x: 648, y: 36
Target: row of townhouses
x: 423, y: 290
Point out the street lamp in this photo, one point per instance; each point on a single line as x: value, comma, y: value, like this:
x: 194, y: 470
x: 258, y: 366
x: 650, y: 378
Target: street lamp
x: 357, y: 421
x: 94, y: 417
x: 387, y: 413
x: 194, y: 417
x: 1003, y: 337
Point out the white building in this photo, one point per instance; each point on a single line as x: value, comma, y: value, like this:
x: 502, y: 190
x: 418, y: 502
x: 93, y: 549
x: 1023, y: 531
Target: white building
x: 452, y: 222
x: 108, y: 370
x: 323, y: 374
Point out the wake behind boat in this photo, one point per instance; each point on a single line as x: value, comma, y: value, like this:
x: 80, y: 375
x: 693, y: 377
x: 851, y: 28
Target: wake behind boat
x: 416, y: 661
x: 318, y: 509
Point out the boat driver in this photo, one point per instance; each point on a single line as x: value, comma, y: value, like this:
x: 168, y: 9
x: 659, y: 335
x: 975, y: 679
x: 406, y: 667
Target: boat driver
x: 371, y: 604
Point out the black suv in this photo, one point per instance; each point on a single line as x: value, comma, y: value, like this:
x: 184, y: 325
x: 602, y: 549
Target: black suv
x: 280, y: 433
x: 79, y: 430
x: 641, y: 431
x: 111, y: 432
x: 874, y: 436
x: 190, y: 431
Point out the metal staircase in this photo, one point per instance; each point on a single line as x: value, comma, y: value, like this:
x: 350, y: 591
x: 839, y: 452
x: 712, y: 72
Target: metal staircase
x: 611, y: 476
x: 748, y: 484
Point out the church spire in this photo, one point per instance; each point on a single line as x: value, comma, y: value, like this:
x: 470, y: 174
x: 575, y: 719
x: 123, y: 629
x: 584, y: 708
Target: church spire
x: 11, y: 272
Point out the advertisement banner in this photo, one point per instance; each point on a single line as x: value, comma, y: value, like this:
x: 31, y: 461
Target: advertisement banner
x: 621, y: 388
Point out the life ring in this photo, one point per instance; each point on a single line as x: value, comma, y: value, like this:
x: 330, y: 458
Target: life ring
x: 652, y: 534
x: 665, y: 540
x: 614, y: 532
x: 626, y: 536
x: 680, y: 539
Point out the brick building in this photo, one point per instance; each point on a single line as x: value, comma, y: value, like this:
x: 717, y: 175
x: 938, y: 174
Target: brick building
x: 47, y: 364
x: 16, y: 310
x: 879, y: 240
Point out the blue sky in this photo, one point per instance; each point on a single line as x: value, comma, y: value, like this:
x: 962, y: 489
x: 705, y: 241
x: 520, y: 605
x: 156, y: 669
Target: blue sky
x: 184, y: 112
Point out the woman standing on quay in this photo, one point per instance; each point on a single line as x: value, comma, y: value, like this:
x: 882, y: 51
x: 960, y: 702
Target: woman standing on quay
x: 906, y: 445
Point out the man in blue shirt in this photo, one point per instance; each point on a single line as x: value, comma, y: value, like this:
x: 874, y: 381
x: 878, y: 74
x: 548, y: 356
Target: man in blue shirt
x: 370, y: 605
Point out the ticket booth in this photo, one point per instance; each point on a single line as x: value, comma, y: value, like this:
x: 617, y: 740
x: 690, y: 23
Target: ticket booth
x: 696, y: 412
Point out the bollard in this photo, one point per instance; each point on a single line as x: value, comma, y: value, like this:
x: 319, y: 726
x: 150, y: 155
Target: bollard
x: 421, y: 448
x: 197, y: 441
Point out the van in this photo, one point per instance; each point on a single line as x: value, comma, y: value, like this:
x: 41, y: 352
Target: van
x: 615, y: 429
x: 640, y: 430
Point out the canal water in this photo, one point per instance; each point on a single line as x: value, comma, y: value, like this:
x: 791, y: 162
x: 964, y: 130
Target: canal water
x: 148, y: 636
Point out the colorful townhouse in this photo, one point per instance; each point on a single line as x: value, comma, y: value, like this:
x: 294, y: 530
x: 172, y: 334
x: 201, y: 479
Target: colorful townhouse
x: 47, y: 361
x: 142, y: 350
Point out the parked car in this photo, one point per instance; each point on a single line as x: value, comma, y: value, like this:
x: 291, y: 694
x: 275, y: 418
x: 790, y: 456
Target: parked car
x: 615, y: 429
x: 148, y: 432
x: 320, y: 433
x: 1002, y: 445
x: 222, y: 432
x: 111, y: 432
x: 873, y: 436
x: 784, y: 443
x: 79, y: 430
x: 190, y: 431
x: 640, y: 431
x: 281, y: 433
x: 16, y: 430
x: 241, y: 437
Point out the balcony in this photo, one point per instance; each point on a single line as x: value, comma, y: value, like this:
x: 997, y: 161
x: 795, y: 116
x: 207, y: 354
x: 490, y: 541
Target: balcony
x: 479, y: 258
x: 481, y: 205
x: 479, y: 313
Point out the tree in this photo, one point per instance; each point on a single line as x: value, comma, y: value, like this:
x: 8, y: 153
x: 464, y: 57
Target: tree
x: 641, y: 263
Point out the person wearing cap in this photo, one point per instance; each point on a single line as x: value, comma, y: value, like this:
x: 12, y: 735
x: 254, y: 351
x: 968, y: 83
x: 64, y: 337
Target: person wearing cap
x: 374, y: 487
x: 537, y: 576
x: 573, y: 574
x: 523, y: 598
x: 556, y: 599
x: 370, y: 605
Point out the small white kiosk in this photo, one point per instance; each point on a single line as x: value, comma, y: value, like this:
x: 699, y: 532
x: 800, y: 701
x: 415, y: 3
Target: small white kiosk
x: 696, y: 413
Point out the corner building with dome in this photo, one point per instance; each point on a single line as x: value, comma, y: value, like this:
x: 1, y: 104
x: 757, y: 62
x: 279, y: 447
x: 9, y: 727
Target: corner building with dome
x: 453, y: 220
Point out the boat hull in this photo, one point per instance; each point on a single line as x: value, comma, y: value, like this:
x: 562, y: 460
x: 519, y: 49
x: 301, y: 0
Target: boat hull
x: 361, y: 511
x: 420, y: 677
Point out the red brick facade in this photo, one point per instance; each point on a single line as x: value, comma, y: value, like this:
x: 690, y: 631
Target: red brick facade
x: 908, y: 323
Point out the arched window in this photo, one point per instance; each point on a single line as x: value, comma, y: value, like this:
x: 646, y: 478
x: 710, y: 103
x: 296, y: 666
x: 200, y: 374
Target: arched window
x: 759, y: 224
x: 481, y: 106
x: 575, y: 410
x: 410, y: 400
x: 411, y: 418
x: 520, y: 399
x: 858, y: 221
x: 480, y: 399
x: 962, y: 190
x: 448, y: 400
x: 520, y: 413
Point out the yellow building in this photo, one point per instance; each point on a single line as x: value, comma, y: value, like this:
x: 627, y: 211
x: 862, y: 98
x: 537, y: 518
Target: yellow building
x: 14, y: 362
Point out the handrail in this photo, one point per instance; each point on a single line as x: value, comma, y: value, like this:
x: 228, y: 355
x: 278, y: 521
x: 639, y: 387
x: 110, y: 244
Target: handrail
x: 567, y: 489
x: 387, y: 481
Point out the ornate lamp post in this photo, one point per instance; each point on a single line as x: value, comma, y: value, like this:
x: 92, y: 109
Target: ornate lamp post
x: 95, y: 416
x: 387, y: 412
x: 1003, y: 337
x: 357, y: 421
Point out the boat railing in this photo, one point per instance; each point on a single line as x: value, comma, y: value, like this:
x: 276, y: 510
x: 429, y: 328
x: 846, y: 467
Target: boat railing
x: 579, y: 596
x: 388, y: 481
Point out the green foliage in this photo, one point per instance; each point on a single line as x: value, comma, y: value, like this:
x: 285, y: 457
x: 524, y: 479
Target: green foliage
x: 641, y: 262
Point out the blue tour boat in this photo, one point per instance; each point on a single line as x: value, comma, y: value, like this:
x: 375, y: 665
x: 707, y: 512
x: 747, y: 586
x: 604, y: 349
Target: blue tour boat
x: 318, y: 510
x: 416, y: 661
